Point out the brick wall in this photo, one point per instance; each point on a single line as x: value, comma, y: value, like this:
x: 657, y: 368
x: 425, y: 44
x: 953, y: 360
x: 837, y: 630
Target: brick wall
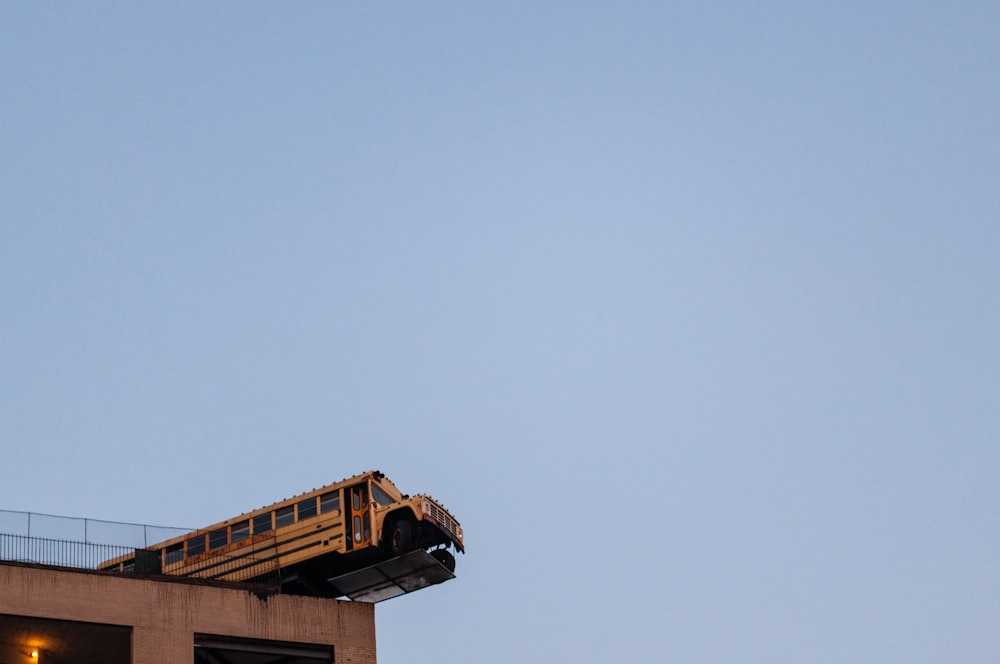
x: 165, y: 615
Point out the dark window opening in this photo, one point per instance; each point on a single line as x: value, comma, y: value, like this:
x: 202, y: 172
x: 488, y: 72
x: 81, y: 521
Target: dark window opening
x: 63, y: 641
x: 329, y: 502
x: 307, y: 508
x: 284, y: 516
x: 240, y: 531
x: 196, y: 545
x: 218, y: 538
x: 262, y: 523
x: 173, y: 553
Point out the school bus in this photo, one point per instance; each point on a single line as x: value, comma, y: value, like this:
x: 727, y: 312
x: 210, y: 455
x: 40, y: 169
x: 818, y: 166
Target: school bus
x: 311, y: 539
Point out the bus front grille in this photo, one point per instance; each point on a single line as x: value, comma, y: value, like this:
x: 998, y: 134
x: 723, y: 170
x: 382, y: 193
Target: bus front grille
x: 444, y: 520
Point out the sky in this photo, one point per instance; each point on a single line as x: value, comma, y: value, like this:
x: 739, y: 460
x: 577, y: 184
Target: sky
x: 687, y: 311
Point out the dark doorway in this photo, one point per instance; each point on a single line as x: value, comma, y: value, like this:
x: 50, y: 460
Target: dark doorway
x: 210, y: 649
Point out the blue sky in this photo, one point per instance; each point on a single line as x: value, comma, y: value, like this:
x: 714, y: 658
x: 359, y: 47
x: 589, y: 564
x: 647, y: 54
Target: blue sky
x: 688, y: 313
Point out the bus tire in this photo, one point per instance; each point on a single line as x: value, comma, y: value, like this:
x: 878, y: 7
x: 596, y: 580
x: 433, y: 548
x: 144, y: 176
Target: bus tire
x: 444, y: 557
x: 400, y: 538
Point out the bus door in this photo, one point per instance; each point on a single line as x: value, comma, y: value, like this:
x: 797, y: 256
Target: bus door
x: 359, y: 525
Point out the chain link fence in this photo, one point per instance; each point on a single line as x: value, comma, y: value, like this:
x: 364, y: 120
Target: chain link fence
x: 73, y: 542
x: 87, y: 531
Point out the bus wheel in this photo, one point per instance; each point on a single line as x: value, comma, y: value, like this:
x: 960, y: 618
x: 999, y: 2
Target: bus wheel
x: 400, y: 537
x: 444, y: 557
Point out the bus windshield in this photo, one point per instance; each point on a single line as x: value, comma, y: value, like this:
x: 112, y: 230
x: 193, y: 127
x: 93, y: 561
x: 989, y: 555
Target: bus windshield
x: 380, y: 496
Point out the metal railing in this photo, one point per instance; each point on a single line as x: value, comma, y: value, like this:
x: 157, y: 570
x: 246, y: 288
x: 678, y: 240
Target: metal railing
x: 45, y: 539
x: 63, y: 553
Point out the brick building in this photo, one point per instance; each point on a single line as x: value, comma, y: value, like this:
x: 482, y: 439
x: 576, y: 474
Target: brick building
x: 50, y: 615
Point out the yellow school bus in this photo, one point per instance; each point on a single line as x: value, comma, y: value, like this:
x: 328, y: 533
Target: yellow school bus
x: 313, y: 542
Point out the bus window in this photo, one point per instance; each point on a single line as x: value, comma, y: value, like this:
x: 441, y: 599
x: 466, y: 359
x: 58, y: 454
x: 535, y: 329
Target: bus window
x: 218, y: 538
x: 284, y: 516
x: 329, y: 502
x: 262, y: 523
x: 307, y: 508
x: 380, y: 496
x: 240, y: 531
x: 196, y: 545
x: 173, y: 553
